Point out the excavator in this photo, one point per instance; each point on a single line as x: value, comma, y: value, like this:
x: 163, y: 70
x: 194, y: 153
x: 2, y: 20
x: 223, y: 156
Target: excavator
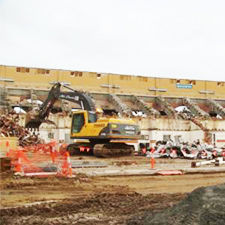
x: 93, y: 134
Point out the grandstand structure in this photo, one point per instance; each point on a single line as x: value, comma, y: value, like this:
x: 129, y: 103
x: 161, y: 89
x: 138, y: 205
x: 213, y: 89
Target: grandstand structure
x: 131, y: 96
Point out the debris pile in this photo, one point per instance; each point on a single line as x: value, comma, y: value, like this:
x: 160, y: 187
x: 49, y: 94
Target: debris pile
x: 195, y: 150
x: 9, y: 127
x: 202, y: 206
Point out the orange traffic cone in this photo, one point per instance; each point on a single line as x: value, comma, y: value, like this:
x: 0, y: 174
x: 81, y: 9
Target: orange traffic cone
x: 53, y: 149
x: 152, y: 158
x: 53, y: 154
x: 67, y: 169
x: 7, y: 148
x: 152, y: 162
x: 18, y: 167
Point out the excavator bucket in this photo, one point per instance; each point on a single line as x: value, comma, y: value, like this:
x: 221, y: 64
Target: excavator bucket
x: 33, y: 124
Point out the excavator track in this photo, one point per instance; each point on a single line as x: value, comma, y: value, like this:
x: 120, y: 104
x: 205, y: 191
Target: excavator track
x: 112, y: 150
x: 105, y: 150
x: 75, y: 149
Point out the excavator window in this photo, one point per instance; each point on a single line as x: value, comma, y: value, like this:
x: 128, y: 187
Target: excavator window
x: 78, y: 122
x: 92, y: 117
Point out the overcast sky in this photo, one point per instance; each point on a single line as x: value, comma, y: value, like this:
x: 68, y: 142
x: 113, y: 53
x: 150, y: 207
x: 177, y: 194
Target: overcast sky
x: 156, y: 38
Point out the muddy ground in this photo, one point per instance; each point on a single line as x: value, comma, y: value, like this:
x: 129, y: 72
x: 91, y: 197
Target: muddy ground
x: 98, y: 200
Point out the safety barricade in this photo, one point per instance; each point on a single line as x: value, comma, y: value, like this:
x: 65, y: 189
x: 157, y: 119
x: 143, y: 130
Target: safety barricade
x: 41, y: 160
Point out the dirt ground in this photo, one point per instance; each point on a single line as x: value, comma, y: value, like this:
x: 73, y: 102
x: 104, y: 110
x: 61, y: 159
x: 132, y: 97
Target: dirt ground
x: 98, y: 200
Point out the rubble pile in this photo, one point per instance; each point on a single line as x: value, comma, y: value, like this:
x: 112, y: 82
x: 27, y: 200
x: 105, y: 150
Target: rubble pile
x: 9, y: 127
x: 195, y: 150
x: 202, y: 206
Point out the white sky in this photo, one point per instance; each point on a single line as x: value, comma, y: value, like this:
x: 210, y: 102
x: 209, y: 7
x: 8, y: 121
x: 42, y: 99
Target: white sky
x: 157, y: 38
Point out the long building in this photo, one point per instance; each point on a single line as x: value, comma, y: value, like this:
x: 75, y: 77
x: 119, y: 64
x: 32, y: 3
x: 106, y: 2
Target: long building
x: 38, y: 78
x: 156, y: 97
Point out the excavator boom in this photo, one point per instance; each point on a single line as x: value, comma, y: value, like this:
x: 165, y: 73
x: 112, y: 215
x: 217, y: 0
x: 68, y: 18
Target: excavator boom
x: 54, y: 95
x: 45, y: 109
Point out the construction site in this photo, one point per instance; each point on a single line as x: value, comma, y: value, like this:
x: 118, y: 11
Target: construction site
x: 82, y: 147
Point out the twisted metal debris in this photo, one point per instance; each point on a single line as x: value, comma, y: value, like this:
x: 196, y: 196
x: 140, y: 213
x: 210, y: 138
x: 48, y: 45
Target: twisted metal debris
x: 9, y: 127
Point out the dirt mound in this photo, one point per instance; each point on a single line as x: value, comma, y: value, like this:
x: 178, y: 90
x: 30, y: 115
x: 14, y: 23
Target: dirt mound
x: 104, y: 208
x: 202, y: 206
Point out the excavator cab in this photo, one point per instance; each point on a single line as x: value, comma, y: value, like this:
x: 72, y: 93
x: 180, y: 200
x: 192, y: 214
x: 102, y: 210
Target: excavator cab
x: 81, y: 119
x: 78, y: 121
x: 102, y: 137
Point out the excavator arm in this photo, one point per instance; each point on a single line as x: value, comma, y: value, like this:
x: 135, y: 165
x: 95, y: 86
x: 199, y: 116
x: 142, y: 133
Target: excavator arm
x: 47, y: 105
x: 55, y: 94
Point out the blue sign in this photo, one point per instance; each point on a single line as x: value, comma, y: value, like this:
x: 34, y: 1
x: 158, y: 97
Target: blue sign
x: 184, y: 86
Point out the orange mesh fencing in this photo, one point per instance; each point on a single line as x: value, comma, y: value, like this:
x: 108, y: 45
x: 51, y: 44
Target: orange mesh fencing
x: 41, y: 158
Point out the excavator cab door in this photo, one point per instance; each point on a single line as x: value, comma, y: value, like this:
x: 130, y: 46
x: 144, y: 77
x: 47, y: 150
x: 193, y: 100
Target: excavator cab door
x: 79, y: 119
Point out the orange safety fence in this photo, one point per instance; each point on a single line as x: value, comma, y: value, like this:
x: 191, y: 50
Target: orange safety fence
x: 41, y: 158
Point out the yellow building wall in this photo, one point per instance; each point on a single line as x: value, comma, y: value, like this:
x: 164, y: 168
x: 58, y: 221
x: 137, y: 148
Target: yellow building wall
x: 38, y: 78
x: 199, y: 86
x: 127, y: 84
x: 124, y: 83
x: 28, y: 77
x: 217, y: 87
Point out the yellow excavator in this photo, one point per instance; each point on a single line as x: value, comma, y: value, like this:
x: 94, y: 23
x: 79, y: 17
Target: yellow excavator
x: 94, y: 135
